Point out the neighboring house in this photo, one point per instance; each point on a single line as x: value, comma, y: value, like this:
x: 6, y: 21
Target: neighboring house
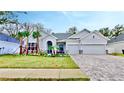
x: 84, y: 42
x: 8, y: 45
x: 116, y: 45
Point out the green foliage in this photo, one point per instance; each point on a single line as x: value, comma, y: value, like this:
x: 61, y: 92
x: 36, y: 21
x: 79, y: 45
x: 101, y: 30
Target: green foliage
x: 43, y: 53
x: 58, y: 55
x: 36, y: 34
x: 118, y: 29
x: 53, y: 48
x: 50, y: 47
x: 5, y: 17
x: 117, y: 54
x: 20, y: 34
x: 26, y: 33
x: 9, y: 17
x: 13, y: 35
x: 105, y: 31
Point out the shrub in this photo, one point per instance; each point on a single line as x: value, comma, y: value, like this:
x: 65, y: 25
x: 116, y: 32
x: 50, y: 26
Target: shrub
x: 43, y: 53
x: 116, y: 54
x: 58, y: 55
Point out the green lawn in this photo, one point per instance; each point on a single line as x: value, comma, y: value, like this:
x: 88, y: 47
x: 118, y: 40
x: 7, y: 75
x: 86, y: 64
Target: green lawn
x: 17, y: 61
x: 118, y: 54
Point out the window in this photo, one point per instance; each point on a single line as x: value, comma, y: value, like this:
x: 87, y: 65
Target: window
x: 31, y: 46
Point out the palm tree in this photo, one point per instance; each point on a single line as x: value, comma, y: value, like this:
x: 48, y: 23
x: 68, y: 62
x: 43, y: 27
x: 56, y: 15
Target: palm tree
x: 20, y: 36
x: 37, y: 35
x: 26, y: 34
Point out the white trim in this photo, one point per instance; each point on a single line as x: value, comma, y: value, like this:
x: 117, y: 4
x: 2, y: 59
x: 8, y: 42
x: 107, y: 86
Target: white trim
x: 50, y: 34
x: 44, y: 37
x: 63, y: 40
x: 76, y: 34
x: 115, y: 42
x: 97, y: 34
x: 75, y: 44
x: 102, y: 35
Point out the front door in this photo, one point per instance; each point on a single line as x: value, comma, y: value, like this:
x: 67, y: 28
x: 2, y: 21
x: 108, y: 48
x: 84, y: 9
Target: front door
x: 49, y: 45
x: 61, y: 48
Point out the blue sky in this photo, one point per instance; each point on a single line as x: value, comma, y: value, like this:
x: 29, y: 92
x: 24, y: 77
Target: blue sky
x: 60, y: 21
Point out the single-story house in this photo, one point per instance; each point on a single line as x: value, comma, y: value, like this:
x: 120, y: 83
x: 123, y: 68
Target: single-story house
x: 84, y: 42
x: 8, y: 45
x: 116, y: 45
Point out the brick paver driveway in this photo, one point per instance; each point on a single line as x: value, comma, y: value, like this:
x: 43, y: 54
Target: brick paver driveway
x: 101, y: 67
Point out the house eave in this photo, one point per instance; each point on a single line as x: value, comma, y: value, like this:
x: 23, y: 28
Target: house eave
x: 63, y: 40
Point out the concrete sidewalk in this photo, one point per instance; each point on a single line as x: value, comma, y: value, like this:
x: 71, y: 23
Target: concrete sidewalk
x: 42, y: 73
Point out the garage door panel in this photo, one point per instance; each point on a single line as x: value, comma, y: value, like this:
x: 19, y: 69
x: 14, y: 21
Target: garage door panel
x: 73, y: 49
x: 87, y: 49
x: 93, y: 49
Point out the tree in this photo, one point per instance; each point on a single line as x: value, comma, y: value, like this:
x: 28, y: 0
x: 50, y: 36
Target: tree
x: 72, y: 30
x: 12, y: 29
x: 37, y: 34
x: 9, y: 16
x: 9, y: 22
x: 105, y: 31
x: 28, y: 28
x: 26, y: 34
x: 117, y: 30
x: 20, y: 36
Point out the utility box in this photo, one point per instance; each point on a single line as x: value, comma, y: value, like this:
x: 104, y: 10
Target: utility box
x: 80, y: 51
x: 123, y: 51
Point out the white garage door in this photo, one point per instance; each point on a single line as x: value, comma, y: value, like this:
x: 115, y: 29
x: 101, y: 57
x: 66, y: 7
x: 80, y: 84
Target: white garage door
x: 93, y: 49
x: 73, y: 49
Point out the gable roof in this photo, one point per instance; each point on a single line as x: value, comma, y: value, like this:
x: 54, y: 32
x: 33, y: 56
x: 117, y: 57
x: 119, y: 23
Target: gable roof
x: 49, y: 34
x: 4, y: 37
x: 61, y: 36
x: 101, y: 35
x: 95, y: 32
x: 117, y: 39
x: 74, y: 35
x: 85, y: 30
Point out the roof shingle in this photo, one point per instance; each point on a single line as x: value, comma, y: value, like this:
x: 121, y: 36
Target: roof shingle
x: 61, y: 36
x: 117, y: 39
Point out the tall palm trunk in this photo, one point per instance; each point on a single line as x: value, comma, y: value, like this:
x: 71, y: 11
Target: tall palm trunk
x: 20, y: 45
x: 27, y: 46
x: 37, y: 46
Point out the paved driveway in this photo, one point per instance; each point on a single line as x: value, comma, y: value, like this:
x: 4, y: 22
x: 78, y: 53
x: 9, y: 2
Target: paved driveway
x: 101, y: 67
